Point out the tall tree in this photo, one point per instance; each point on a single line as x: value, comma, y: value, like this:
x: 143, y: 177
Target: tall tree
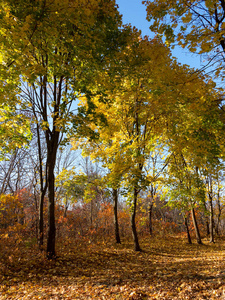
x: 154, y: 99
x: 197, y: 25
x: 131, y: 117
x: 186, y: 190
x: 58, y: 48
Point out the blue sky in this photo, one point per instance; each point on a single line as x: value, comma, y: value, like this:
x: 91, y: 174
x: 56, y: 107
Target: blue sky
x: 134, y: 12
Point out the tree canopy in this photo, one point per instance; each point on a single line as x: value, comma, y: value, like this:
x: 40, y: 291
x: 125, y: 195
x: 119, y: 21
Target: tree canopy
x: 197, y: 25
x: 78, y: 75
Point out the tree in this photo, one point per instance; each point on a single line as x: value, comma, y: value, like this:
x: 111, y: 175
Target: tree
x: 212, y: 178
x: 59, y: 49
x: 154, y: 100
x: 156, y: 164
x: 210, y: 195
x: 186, y: 190
x: 84, y: 189
x: 15, y: 127
x: 131, y: 117
x: 197, y: 25
x: 219, y: 198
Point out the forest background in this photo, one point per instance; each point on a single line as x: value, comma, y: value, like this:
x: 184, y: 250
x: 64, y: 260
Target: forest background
x: 104, y: 134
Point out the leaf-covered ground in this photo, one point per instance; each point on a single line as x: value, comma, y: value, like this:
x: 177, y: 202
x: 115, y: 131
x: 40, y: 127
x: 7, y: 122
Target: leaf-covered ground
x: 168, y: 268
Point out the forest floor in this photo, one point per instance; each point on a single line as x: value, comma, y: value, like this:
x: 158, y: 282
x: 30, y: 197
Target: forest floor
x: 168, y: 268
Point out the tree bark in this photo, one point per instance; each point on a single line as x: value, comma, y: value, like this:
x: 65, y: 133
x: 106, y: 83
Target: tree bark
x: 211, y: 219
x: 219, y: 210
x: 218, y: 216
x: 91, y: 213
x: 52, y: 141
x: 150, y: 217
x: 51, y: 209
x: 52, y: 146
x: 43, y: 190
x: 115, y: 209
x: 133, y: 224
x: 207, y: 221
x: 198, y: 236
x: 207, y: 226
x: 187, y: 229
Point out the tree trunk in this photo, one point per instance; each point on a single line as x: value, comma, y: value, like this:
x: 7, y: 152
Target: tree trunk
x: 66, y: 208
x: 210, y: 194
x: 52, y: 146
x: 91, y: 213
x: 133, y: 224
x: 206, y: 220
x: 115, y: 209
x: 219, y: 212
x: 198, y: 237
x: 43, y: 190
x: 51, y: 212
x: 207, y: 226
x: 187, y: 229
x: 218, y: 218
x: 52, y: 141
x: 211, y: 219
x: 150, y: 218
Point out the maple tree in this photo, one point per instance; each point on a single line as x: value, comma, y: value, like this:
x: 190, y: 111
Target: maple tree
x: 212, y: 187
x: 156, y: 100
x: 197, y: 25
x: 57, y: 47
x: 191, y: 178
x: 123, y: 141
x: 134, y: 100
x: 186, y: 189
x: 14, y: 132
x: 14, y: 129
x: 194, y: 153
x: 218, y: 183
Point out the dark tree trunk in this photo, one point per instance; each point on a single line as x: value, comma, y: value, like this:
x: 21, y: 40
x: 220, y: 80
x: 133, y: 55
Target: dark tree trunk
x: 218, y: 217
x: 52, y: 141
x: 187, y: 230
x: 211, y: 219
x: 219, y: 211
x: 217, y: 226
x: 91, y: 213
x: 198, y: 236
x: 52, y: 146
x: 150, y: 217
x: 206, y: 220
x: 133, y: 224
x: 207, y: 226
x: 115, y: 208
x: 43, y: 190
x: 51, y: 211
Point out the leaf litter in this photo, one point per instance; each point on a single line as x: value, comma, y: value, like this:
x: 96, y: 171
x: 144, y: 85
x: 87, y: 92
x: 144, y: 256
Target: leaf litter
x: 166, y: 269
